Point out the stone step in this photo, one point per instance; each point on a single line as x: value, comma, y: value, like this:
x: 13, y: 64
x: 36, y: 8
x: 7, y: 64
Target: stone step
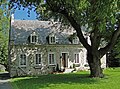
x: 68, y: 70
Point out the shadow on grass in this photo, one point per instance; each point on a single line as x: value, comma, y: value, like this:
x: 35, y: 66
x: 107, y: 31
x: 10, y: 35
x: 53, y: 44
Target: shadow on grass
x: 54, y: 79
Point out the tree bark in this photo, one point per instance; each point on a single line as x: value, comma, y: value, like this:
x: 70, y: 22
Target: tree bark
x: 95, y: 65
x: 94, y: 54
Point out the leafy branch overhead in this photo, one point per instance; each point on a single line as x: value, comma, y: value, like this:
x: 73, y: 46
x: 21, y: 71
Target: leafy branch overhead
x: 96, y: 17
x: 83, y: 11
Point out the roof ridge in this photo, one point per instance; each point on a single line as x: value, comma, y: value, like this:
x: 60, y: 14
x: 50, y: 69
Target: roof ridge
x: 31, y: 20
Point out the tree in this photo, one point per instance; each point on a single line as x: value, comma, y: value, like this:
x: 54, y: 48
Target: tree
x: 113, y: 59
x: 4, y: 25
x: 117, y: 48
x: 93, y: 14
x: 113, y: 56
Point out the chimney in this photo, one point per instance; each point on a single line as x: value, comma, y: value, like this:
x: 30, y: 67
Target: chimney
x: 12, y: 18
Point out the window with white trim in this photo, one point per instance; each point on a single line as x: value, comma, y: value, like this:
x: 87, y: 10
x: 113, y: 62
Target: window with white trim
x: 75, y: 40
x: 38, y: 58
x: 52, y: 39
x: 51, y: 58
x: 23, y: 60
x: 77, y: 57
x: 34, y: 38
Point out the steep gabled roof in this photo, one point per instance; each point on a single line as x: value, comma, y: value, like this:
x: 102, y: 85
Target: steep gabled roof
x: 21, y: 30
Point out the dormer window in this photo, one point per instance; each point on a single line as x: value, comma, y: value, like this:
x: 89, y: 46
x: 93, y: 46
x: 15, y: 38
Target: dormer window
x: 75, y: 40
x: 34, y: 38
x: 52, y: 39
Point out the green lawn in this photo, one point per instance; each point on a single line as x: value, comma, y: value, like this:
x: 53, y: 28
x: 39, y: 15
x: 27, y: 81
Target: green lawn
x: 79, y: 80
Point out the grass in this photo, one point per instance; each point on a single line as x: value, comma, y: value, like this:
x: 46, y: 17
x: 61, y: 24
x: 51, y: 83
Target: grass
x: 79, y: 80
x: 2, y: 71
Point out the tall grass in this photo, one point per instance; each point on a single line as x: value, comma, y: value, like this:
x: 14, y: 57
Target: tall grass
x: 79, y: 80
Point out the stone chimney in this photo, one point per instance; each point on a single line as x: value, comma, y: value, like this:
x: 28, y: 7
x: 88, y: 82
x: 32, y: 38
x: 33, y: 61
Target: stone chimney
x: 12, y: 18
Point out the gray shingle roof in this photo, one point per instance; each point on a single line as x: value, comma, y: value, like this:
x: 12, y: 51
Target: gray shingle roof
x: 21, y: 30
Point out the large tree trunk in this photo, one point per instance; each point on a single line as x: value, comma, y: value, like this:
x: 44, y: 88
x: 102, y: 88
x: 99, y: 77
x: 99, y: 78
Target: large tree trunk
x: 94, y: 52
x: 95, y: 65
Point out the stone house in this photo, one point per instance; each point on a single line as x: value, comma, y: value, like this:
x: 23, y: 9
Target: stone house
x: 40, y: 47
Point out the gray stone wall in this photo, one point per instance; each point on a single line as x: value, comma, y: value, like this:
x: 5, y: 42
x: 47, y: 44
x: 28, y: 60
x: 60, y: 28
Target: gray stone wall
x: 45, y: 68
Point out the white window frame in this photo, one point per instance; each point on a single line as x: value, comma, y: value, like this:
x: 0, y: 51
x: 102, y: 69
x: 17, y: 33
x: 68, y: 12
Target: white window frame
x: 49, y: 58
x: 20, y: 60
x: 75, y: 40
x: 75, y: 58
x: 50, y: 39
x: 31, y: 37
x: 41, y: 59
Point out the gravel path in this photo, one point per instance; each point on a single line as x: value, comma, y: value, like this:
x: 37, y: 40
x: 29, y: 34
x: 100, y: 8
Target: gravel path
x: 4, y: 81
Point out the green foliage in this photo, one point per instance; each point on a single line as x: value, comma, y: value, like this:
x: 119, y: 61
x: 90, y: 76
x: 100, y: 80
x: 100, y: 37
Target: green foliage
x: 97, y: 16
x: 3, y: 48
x: 113, y: 58
x: 77, y: 80
x: 83, y: 11
x: 4, y: 26
x: 117, y: 48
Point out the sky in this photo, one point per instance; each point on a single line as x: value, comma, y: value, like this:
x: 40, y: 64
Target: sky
x: 23, y: 15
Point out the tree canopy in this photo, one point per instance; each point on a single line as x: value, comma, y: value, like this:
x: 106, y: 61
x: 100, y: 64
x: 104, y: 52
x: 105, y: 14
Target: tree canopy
x: 100, y: 17
x: 84, y: 12
x: 4, y: 26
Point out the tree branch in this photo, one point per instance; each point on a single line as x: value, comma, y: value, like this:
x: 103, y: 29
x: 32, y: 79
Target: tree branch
x: 78, y: 29
x: 62, y: 10
x: 112, y: 42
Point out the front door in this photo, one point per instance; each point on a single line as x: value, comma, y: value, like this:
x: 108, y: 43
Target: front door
x: 65, y: 60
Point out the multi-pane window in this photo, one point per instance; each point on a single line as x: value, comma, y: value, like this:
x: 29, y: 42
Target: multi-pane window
x: 23, y: 60
x: 52, y: 39
x: 38, y: 59
x: 75, y: 40
x: 77, y: 58
x: 51, y: 58
x: 34, y: 38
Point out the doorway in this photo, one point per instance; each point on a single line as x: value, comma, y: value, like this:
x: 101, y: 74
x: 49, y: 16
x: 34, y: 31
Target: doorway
x: 65, y: 60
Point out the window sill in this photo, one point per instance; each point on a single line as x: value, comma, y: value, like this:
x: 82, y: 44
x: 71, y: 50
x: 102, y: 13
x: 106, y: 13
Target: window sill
x: 23, y: 66
x: 76, y: 63
x: 37, y: 64
x: 34, y: 42
x: 52, y: 64
x: 37, y: 67
x: 52, y: 43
